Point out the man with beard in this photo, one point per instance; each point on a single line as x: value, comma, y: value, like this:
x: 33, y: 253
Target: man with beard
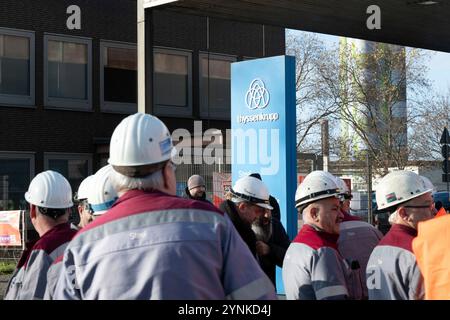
x: 271, y: 243
x: 275, y: 212
x: 196, y: 189
x: 248, y: 200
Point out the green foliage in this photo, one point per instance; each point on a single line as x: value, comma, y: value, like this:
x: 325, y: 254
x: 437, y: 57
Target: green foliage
x: 7, y: 267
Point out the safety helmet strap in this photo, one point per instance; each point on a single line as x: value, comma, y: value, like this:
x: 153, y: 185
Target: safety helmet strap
x: 317, y: 194
x: 247, y: 197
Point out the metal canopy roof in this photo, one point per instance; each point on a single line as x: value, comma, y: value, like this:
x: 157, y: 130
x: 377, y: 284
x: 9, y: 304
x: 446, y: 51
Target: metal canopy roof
x: 403, y: 22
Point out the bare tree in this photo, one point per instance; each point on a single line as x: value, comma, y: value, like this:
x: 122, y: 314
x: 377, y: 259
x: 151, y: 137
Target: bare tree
x: 426, y: 129
x: 371, y: 96
x: 363, y: 95
x: 312, y: 95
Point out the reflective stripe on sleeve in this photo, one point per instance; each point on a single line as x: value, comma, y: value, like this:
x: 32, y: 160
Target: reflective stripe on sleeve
x: 252, y: 291
x: 331, y: 291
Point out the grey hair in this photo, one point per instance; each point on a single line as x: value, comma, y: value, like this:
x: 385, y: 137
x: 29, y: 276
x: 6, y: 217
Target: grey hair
x: 121, y: 182
x: 306, y: 217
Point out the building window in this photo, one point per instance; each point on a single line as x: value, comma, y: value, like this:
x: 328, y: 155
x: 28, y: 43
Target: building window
x: 16, y: 67
x: 118, y: 77
x: 74, y: 167
x: 67, y: 70
x: 215, y: 86
x: 172, y: 82
x: 16, y: 172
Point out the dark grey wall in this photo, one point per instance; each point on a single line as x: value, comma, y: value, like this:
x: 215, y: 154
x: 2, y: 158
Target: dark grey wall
x: 43, y: 130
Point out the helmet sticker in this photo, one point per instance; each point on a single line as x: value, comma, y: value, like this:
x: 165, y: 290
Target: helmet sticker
x: 391, y: 197
x: 165, y: 146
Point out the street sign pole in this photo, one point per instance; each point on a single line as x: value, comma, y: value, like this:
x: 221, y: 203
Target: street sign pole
x: 445, y: 150
x: 369, y: 190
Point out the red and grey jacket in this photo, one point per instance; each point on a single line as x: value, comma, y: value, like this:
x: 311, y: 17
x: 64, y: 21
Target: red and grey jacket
x: 392, y: 272
x: 15, y: 282
x: 31, y: 281
x: 357, y: 239
x: 52, y: 277
x: 151, y: 245
x: 54, y: 270
x: 313, y: 268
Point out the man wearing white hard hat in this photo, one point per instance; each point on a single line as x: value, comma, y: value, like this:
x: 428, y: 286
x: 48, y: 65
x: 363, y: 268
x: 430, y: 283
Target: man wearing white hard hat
x: 152, y: 244
x: 82, y: 203
x: 272, y: 240
x: 392, y: 271
x: 313, y: 269
x: 249, y: 201
x: 428, y: 185
x: 100, y: 195
x: 357, y: 239
x: 49, y: 196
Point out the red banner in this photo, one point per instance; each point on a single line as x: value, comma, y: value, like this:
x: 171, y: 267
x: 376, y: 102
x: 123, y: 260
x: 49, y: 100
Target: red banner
x: 9, y: 228
x: 221, y: 185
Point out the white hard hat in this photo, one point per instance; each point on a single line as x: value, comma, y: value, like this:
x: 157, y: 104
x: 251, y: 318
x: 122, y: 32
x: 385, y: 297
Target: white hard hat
x: 139, y: 140
x: 343, y: 187
x: 253, y: 190
x: 101, y: 195
x: 398, y: 187
x: 49, y: 189
x: 428, y: 183
x: 317, y: 185
x: 83, y: 189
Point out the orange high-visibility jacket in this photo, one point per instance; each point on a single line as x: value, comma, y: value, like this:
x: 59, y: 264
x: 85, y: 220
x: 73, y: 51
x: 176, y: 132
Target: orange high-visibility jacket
x: 431, y: 248
x: 441, y: 212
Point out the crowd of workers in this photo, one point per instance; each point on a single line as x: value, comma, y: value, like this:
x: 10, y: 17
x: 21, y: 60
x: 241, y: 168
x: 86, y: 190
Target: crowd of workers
x: 137, y: 240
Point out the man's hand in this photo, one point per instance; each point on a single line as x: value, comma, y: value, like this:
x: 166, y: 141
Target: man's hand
x: 262, y: 249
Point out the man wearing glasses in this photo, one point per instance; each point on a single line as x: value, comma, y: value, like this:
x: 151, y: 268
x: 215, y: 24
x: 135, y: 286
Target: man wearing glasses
x: 392, y: 271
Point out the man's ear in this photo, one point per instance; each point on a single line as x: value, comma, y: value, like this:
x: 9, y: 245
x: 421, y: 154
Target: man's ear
x: 242, y: 206
x: 314, y: 213
x: 401, y: 212
x: 33, y: 212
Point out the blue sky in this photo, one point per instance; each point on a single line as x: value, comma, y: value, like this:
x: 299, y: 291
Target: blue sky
x: 439, y: 64
x: 440, y: 70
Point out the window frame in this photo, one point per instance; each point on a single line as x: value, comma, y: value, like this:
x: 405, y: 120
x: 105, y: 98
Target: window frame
x: 219, y: 113
x: 167, y: 110
x: 31, y: 156
x: 22, y: 100
x: 112, y: 106
x: 68, y: 103
x: 68, y: 156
